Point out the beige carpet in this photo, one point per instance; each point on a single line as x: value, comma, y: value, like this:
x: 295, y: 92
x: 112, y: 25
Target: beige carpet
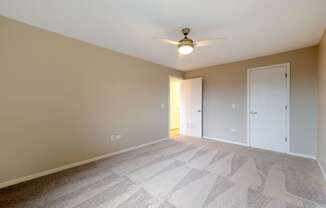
x: 179, y: 173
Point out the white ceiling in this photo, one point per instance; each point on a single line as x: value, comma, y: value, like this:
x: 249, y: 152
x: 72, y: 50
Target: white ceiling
x: 252, y: 27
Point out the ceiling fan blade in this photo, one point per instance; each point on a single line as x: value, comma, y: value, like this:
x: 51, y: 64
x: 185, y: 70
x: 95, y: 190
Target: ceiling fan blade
x: 172, y: 42
x: 203, y: 43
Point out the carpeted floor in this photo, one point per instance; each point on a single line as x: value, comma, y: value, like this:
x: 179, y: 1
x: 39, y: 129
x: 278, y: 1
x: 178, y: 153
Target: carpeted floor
x: 179, y: 173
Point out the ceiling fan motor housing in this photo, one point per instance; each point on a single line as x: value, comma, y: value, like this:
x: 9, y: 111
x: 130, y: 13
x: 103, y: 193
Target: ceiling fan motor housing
x: 186, y: 42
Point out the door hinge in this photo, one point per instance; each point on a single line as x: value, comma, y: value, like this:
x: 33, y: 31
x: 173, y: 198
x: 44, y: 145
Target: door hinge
x: 286, y: 139
x: 286, y: 75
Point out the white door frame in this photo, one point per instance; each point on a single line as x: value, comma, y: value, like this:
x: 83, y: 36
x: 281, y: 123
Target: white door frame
x: 287, y: 65
x: 169, y: 99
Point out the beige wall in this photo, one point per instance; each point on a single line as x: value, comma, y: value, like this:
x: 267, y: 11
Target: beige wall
x: 321, y: 152
x: 61, y: 99
x: 226, y: 84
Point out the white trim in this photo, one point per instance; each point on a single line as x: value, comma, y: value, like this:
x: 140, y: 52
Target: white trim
x: 302, y: 155
x: 288, y: 70
x: 247, y: 145
x: 323, y: 172
x: 270, y: 66
x: 226, y: 141
x: 248, y: 110
x: 58, y: 169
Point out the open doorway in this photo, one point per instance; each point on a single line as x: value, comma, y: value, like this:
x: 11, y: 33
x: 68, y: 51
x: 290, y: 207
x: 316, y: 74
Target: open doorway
x: 185, y: 107
x: 174, y: 123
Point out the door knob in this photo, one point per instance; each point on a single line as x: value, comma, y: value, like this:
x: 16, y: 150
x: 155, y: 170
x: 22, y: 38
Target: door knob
x: 253, y: 113
x: 199, y: 111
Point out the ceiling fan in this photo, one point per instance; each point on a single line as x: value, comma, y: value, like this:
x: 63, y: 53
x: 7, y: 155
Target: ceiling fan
x: 187, y: 45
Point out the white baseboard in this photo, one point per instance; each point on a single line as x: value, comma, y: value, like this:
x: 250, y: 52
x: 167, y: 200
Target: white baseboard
x: 302, y: 155
x: 321, y: 169
x: 226, y: 141
x: 247, y: 145
x: 65, y: 167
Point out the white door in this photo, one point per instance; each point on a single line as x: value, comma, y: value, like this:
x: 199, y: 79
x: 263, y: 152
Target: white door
x: 191, y: 107
x: 268, y: 107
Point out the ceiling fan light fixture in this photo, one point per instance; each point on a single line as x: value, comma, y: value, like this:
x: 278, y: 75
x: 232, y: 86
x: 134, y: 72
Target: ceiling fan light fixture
x: 186, y: 45
x: 185, y: 49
